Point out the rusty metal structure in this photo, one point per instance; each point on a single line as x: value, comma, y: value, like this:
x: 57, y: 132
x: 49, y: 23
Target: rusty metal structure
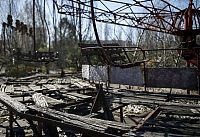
x: 54, y: 105
x: 162, y: 16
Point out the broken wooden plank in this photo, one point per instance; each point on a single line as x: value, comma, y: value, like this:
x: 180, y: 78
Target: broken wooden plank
x: 150, y: 115
x: 25, y: 88
x: 35, y: 88
x: 81, y: 84
x: 92, y: 123
x: 43, y: 81
x: 12, y: 103
x: 76, y: 96
x: 50, y: 87
x: 139, y: 95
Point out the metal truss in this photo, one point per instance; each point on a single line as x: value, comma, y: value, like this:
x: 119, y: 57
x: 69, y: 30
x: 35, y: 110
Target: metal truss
x: 162, y: 16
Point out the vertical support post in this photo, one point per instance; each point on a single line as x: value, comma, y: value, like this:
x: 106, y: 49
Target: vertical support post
x: 47, y: 67
x: 145, y: 74
x: 121, y: 115
x: 34, y: 129
x: 108, y: 72
x: 11, y: 120
x: 188, y: 66
x: 4, y: 38
x: 101, y: 102
x: 98, y: 100
x: 198, y: 70
x: 190, y: 21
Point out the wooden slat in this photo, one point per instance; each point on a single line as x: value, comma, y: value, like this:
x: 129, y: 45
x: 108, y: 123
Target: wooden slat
x: 142, y: 122
x: 35, y: 88
x: 92, y: 123
x: 77, y: 96
x: 43, y: 81
x: 50, y: 87
x: 12, y: 103
x: 25, y: 88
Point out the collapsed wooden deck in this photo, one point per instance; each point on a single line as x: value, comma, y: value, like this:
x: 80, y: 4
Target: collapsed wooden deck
x: 83, y: 109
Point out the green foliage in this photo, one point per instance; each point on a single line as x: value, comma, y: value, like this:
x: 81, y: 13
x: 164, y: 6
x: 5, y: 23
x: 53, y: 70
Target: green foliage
x: 67, y: 44
x: 19, y: 70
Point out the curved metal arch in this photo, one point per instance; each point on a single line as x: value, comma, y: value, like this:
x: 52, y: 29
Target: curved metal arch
x: 105, y: 57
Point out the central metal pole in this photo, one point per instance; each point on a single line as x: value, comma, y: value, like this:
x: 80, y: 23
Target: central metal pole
x: 34, y: 38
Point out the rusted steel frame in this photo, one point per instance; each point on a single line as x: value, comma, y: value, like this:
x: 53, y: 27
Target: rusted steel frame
x: 125, y: 51
x: 161, y: 19
x: 143, y: 25
x: 152, y: 114
x: 146, y: 26
x: 150, y: 10
x: 156, y: 14
x: 114, y: 47
x: 123, y: 7
x: 106, y: 58
x: 190, y: 14
x: 119, y: 47
x: 139, y: 27
x: 146, y: 7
